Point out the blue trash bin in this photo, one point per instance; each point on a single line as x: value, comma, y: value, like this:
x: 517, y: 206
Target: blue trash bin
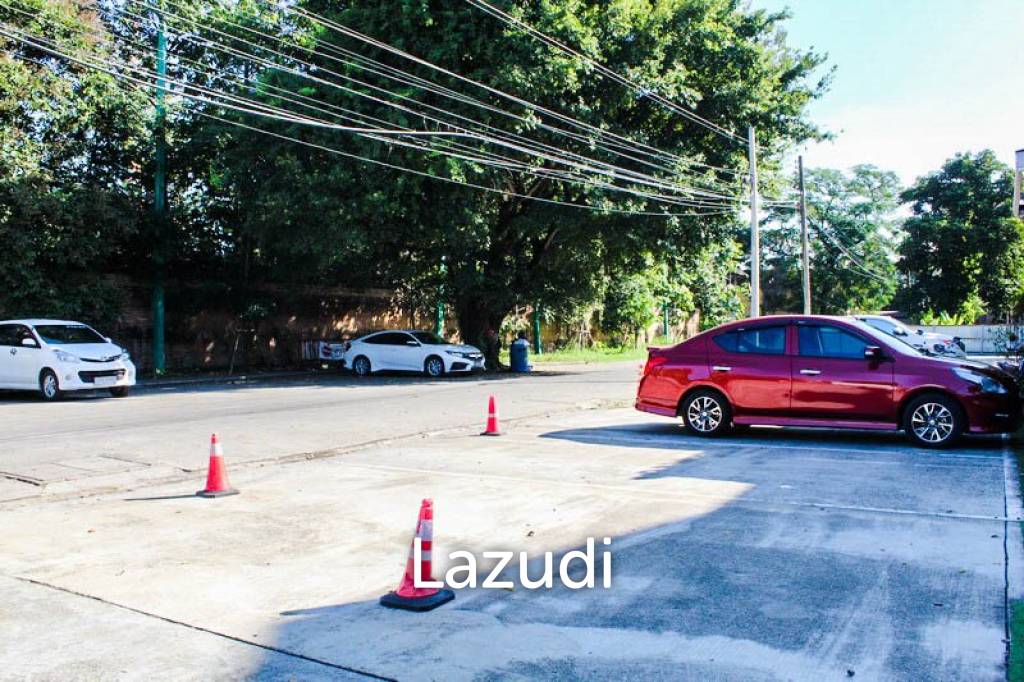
x: 519, y: 356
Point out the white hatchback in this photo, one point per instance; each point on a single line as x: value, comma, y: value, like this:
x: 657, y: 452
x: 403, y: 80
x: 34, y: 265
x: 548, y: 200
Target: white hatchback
x: 410, y: 351
x: 54, y: 356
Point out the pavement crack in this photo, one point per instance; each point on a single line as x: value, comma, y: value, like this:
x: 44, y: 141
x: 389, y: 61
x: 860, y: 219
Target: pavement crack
x: 199, y: 628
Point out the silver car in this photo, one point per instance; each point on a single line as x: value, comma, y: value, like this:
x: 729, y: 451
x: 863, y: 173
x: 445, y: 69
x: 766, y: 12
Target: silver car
x: 929, y: 343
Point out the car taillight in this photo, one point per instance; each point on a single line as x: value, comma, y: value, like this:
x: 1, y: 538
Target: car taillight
x: 654, y: 361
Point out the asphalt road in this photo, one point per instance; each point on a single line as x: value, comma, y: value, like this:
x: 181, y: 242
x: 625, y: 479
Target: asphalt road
x: 91, y: 441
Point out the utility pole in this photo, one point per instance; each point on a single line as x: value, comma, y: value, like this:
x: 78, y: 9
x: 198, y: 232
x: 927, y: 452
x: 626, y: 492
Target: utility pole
x: 665, y: 310
x: 1018, y: 180
x: 805, y: 258
x: 159, y: 195
x: 755, y: 237
x: 439, y: 309
x: 538, y: 347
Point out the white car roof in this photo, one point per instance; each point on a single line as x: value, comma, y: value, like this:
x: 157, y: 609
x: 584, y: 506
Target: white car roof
x: 35, y: 322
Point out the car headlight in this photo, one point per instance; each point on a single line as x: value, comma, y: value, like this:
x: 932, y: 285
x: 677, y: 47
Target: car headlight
x: 458, y: 354
x: 125, y: 356
x: 66, y: 357
x: 985, y: 382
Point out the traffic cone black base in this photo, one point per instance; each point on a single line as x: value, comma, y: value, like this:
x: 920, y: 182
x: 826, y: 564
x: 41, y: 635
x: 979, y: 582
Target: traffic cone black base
x: 393, y: 601
x: 216, y: 493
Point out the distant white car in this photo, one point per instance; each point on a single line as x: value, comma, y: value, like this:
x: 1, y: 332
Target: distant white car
x: 929, y: 343
x: 410, y: 351
x: 55, y: 356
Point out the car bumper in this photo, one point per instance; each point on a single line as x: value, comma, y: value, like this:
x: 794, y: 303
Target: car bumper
x: 465, y: 365
x: 993, y: 413
x: 89, y: 376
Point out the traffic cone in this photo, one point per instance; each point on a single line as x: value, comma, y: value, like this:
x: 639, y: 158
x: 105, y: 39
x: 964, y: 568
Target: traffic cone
x: 217, y: 478
x: 408, y: 596
x: 492, y: 419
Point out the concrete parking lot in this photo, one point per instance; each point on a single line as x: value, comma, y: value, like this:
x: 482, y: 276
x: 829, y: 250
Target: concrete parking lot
x: 767, y: 555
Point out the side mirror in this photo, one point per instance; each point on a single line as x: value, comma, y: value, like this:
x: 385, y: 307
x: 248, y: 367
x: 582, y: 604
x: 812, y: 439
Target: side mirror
x: 29, y: 343
x: 873, y: 353
x: 108, y: 339
x: 899, y: 332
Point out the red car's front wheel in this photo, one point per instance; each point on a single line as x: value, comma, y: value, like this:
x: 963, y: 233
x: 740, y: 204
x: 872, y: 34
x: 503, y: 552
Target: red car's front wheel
x: 706, y: 413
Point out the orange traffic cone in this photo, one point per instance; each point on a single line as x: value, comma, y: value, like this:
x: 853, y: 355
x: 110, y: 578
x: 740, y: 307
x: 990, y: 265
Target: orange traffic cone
x: 217, y: 478
x: 492, y: 419
x: 408, y: 596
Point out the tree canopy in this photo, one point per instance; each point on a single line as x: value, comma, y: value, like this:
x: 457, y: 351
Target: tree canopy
x: 963, y: 250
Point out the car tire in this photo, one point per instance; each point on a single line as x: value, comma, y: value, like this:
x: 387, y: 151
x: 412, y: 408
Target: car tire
x: 361, y: 366
x: 434, y: 367
x: 49, y: 387
x: 706, y: 413
x: 933, y: 420
x: 119, y: 392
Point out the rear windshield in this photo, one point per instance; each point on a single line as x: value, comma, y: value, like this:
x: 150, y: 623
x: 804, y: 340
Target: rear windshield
x: 68, y: 334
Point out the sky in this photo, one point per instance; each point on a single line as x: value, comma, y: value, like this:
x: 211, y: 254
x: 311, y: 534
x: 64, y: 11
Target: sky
x: 917, y: 81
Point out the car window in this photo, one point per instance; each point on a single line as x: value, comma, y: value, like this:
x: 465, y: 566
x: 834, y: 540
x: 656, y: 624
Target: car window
x: 68, y: 334
x: 390, y: 339
x: 429, y: 338
x: 760, y: 340
x: 830, y: 342
x: 9, y: 335
x: 884, y: 325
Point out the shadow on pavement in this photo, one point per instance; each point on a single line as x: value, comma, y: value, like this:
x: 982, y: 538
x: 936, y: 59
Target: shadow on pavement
x: 674, y: 436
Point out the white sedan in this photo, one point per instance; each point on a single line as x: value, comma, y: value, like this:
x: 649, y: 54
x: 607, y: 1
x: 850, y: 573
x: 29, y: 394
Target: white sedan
x: 410, y: 351
x: 54, y: 356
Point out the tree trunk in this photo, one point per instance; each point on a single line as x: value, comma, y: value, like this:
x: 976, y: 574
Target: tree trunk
x: 477, y: 316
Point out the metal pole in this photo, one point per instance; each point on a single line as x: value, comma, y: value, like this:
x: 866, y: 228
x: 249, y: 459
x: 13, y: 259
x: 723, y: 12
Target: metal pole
x: 665, y: 319
x: 1018, y: 180
x: 538, y: 347
x: 439, y: 309
x: 159, y: 196
x: 755, y: 238
x: 805, y: 258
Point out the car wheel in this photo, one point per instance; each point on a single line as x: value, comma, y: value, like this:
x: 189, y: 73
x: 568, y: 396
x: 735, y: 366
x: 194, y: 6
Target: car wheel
x: 433, y: 367
x: 707, y: 413
x: 361, y: 366
x: 119, y: 392
x: 49, y: 387
x: 933, y: 420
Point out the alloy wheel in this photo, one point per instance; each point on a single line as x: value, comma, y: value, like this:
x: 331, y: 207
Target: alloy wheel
x: 704, y: 414
x: 50, y: 386
x: 435, y: 367
x: 932, y: 422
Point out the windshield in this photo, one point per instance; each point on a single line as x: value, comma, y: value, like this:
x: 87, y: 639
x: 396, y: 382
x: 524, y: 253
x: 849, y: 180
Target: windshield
x: 429, y: 339
x: 68, y: 334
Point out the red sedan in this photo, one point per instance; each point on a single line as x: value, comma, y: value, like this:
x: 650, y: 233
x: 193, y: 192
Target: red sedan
x: 824, y: 372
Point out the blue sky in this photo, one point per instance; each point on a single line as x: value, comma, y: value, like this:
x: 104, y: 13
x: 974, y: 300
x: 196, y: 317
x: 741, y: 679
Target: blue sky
x: 917, y: 80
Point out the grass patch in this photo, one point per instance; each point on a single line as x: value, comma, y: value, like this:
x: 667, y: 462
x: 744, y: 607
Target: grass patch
x: 1015, y: 670
x: 584, y: 355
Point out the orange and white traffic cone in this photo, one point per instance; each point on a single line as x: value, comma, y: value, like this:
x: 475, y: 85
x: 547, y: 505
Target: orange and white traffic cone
x: 217, y: 477
x: 408, y: 596
x: 492, y: 419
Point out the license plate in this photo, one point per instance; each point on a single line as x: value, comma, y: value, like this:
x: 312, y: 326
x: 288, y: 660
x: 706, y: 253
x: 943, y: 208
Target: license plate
x: 105, y: 381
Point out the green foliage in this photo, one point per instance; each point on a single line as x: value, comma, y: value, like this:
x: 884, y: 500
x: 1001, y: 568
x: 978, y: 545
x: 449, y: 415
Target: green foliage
x: 961, y: 242
x: 853, y: 226
x: 69, y: 208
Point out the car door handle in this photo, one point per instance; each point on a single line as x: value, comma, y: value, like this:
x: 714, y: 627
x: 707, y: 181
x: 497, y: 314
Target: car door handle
x: 14, y: 351
x: 721, y: 368
x: 811, y: 372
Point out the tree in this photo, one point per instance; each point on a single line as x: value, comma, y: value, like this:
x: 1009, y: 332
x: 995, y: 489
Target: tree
x: 328, y: 216
x: 961, y: 243
x: 853, y: 227
x: 70, y: 193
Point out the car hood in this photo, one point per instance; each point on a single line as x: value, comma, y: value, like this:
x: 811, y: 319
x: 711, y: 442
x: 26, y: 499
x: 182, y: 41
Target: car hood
x: 89, y: 351
x: 980, y: 367
x: 456, y: 348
